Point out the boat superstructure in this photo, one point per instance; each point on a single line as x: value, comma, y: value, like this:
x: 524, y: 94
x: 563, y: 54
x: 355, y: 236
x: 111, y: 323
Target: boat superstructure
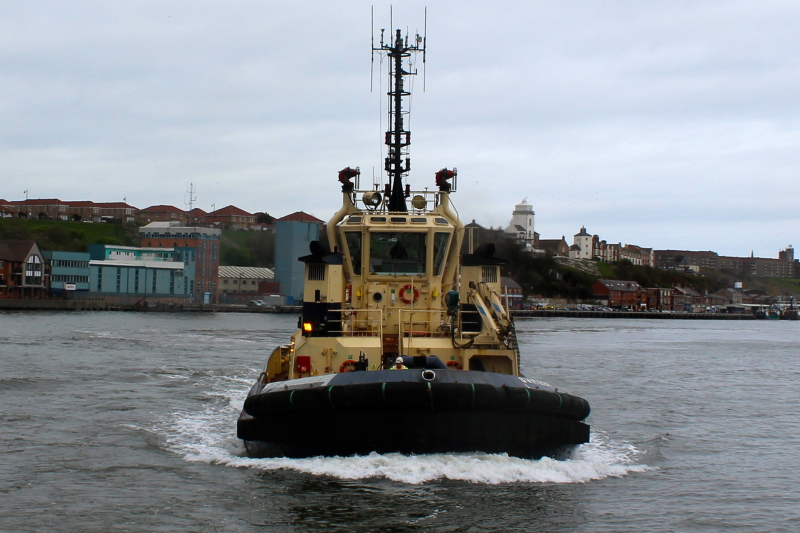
x: 391, y: 282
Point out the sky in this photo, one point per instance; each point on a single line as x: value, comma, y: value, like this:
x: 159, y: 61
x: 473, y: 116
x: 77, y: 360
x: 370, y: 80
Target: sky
x: 670, y: 124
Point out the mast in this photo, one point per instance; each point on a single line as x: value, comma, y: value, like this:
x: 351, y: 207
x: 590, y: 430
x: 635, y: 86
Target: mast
x: 397, y: 163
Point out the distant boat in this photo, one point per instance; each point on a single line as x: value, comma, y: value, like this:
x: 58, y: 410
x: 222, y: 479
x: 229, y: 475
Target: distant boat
x: 790, y: 313
x: 768, y: 313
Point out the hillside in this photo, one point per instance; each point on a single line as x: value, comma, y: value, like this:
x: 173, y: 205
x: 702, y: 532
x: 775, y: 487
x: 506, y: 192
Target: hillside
x: 544, y: 276
x: 547, y: 277
x: 68, y: 236
x: 247, y: 248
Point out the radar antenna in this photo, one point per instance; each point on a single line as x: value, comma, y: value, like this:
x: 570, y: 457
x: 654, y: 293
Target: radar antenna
x: 397, y: 162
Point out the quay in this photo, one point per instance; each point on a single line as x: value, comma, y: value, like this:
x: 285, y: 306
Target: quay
x: 628, y: 314
x: 151, y: 307
x: 99, y: 305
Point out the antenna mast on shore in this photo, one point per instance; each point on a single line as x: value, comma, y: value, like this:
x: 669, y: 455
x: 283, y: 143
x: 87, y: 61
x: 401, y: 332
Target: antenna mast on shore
x: 192, y: 199
x: 398, y: 163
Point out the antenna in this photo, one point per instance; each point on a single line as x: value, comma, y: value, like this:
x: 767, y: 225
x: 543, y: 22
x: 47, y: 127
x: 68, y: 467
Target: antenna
x: 424, y: 45
x: 192, y: 199
x: 398, y: 139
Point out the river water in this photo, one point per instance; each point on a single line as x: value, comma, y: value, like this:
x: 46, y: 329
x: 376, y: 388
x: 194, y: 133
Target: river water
x: 126, y: 422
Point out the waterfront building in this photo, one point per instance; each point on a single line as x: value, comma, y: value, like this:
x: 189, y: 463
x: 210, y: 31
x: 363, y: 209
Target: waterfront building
x: 204, y: 241
x: 686, y: 300
x: 22, y: 270
x: 240, y: 284
x: 293, y: 235
x: 620, y: 293
x: 659, y: 298
x: 127, y: 273
x: 69, y: 273
x: 511, y: 293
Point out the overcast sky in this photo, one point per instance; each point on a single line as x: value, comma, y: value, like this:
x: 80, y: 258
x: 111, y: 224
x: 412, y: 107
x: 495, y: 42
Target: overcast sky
x: 668, y: 124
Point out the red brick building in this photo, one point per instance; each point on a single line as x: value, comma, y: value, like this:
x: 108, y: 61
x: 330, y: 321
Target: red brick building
x: 553, y: 246
x: 75, y: 210
x: 230, y: 217
x: 620, y: 293
x: 22, y: 270
x: 205, y: 242
x: 300, y: 216
x: 162, y: 213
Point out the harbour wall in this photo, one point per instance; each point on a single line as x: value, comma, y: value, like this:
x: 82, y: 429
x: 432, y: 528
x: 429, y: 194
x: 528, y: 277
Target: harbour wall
x: 99, y: 305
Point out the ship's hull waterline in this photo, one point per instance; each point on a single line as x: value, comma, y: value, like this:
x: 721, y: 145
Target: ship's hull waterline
x: 411, y: 411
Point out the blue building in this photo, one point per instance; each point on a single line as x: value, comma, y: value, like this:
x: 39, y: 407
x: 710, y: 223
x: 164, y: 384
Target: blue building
x: 293, y: 234
x: 163, y: 273
x: 206, y: 245
x: 69, y: 273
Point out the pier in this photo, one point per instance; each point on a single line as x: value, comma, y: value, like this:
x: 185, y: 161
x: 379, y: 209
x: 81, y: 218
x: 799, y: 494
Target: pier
x: 628, y: 314
x: 99, y: 305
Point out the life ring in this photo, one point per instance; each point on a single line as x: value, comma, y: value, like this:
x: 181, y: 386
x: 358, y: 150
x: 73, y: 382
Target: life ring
x: 349, y: 362
x: 409, y: 289
x: 454, y: 365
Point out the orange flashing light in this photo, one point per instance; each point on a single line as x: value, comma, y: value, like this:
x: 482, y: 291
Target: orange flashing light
x: 307, y: 327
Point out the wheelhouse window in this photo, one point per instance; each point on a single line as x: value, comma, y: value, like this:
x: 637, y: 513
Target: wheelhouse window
x: 353, y: 239
x: 440, y: 240
x: 397, y: 253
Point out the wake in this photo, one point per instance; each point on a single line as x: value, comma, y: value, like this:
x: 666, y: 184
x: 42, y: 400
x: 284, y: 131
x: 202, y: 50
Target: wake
x: 209, y: 435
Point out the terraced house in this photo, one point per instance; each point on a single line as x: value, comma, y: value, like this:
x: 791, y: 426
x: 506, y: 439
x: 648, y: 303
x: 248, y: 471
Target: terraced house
x: 22, y: 270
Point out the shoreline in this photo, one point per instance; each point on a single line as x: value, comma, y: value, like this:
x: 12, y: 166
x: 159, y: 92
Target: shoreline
x: 97, y: 305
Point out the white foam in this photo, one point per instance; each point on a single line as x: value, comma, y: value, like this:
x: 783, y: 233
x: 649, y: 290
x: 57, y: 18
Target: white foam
x: 207, y: 435
x: 473, y: 468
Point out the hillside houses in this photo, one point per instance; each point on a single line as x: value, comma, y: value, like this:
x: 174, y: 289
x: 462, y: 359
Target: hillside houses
x: 785, y: 266
x: 588, y: 246
x: 228, y: 217
x: 78, y: 210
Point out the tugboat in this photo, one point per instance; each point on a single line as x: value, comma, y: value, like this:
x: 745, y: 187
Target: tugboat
x: 404, y: 344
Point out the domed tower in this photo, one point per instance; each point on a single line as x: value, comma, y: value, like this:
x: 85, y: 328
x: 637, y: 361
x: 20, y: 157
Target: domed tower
x: 521, y: 224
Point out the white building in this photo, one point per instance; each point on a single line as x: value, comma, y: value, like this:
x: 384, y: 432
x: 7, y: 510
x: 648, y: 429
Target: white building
x: 582, y: 245
x: 521, y: 225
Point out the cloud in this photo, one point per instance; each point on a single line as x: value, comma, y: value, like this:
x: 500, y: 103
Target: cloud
x: 668, y: 125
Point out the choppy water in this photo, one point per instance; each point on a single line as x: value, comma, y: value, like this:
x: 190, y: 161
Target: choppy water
x: 126, y: 422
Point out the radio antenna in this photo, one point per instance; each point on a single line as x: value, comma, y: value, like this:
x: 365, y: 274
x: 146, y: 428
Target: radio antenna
x: 424, y: 45
x: 372, y: 43
x: 397, y: 163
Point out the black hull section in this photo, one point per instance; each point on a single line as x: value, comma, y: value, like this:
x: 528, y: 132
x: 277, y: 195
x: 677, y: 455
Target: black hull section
x: 400, y: 411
